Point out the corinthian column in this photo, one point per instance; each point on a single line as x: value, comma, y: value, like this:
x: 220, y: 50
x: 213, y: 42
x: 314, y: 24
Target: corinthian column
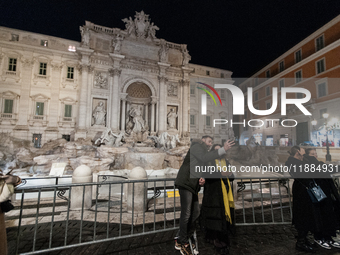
x: 122, y: 119
x: 162, y: 97
x: 146, y: 113
x: 153, y: 102
x: 162, y: 104
x: 88, y: 100
x: 83, y: 100
x: 185, y: 106
x: 114, y: 94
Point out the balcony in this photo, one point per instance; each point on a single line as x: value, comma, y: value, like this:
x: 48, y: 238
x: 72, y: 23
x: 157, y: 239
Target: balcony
x: 67, y: 122
x: 38, y: 119
x: 44, y: 79
x: 8, y: 117
x: 10, y: 75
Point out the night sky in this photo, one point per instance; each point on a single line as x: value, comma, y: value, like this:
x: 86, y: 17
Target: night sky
x: 238, y: 35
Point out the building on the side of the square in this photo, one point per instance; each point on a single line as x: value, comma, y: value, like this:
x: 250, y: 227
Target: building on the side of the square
x: 126, y: 80
x: 313, y: 64
x: 204, y: 124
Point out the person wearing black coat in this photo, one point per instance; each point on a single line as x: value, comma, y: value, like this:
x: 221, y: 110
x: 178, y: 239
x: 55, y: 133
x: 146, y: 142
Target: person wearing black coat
x: 317, y: 218
x: 189, y: 181
x: 329, y: 209
x: 214, y: 222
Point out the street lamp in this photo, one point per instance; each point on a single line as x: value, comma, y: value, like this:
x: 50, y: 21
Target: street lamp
x: 328, y: 155
x: 314, y: 122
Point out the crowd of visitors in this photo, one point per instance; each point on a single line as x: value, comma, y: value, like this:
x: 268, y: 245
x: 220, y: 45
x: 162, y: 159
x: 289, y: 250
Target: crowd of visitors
x: 316, y: 199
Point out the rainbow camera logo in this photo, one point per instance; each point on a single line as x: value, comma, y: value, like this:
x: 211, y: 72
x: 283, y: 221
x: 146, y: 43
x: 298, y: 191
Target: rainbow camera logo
x: 204, y: 97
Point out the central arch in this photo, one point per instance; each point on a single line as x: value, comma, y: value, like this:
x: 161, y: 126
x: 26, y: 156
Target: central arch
x: 138, y: 93
x: 139, y: 80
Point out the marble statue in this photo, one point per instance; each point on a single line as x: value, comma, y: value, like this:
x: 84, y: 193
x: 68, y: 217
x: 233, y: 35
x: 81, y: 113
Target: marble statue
x: 99, y: 114
x: 119, y: 138
x: 141, y: 24
x: 162, y: 139
x: 165, y: 140
x: 129, y: 25
x: 136, y: 122
x: 172, y: 116
x: 106, y: 138
x: 172, y: 141
x: 140, y: 27
x: 111, y: 139
x: 117, y: 43
x: 172, y: 90
x: 100, y: 81
x: 85, y: 37
x: 186, y: 56
x: 152, y: 31
x: 163, y: 52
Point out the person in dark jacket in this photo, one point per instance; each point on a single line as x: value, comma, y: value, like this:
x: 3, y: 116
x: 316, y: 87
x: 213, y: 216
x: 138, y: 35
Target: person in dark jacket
x: 307, y: 216
x: 329, y: 209
x: 217, y: 211
x: 188, y: 181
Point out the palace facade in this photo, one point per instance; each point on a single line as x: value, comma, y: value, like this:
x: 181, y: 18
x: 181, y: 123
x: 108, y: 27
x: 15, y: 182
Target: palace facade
x: 57, y: 88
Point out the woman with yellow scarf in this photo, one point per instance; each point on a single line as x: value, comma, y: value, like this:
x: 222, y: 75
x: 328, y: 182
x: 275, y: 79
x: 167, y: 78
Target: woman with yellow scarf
x: 217, y: 211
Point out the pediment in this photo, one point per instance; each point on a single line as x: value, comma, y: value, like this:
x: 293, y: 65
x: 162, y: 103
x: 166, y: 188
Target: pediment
x: 9, y: 94
x: 68, y: 100
x: 40, y: 97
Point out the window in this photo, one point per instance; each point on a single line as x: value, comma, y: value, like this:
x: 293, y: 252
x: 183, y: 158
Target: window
x: 70, y: 72
x: 281, y: 84
x: 207, y: 121
x: 12, y: 64
x: 207, y: 72
x: 319, y: 43
x: 15, y: 38
x: 8, y: 106
x: 222, y: 75
x: 322, y: 89
x: 268, y: 105
x: 299, y: 95
x: 44, y: 43
x: 256, y: 96
x: 36, y: 139
x: 192, y: 119
x: 68, y: 110
x: 267, y: 91
x: 298, y: 56
x: 42, y: 68
x: 320, y: 66
x: 192, y: 89
x: 268, y: 74
x: 298, y: 76
x: 322, y: 111
x: 281, y: 66
x: 39, y: 108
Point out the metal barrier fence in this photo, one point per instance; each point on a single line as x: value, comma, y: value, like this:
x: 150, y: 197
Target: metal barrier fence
x: 113, y: 214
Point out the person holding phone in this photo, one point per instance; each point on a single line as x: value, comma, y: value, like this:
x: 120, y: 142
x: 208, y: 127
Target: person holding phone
x: 189, y: 181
